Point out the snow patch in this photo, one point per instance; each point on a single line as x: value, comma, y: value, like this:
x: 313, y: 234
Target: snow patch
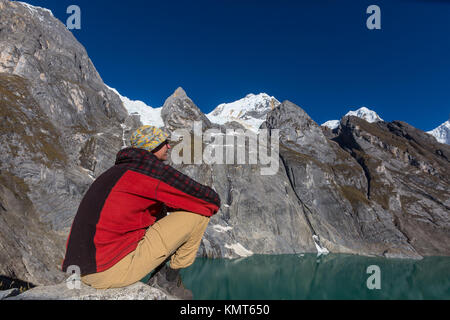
x: 239, y: 249
x: 35, y: 10
x: 149, y: 116
x: 221, y: 229
x: 332, y: 124
x: 366, y: 114
x: 123, y: 126
x: 442, y: 133
x: 320, y: 249
x: 363, y: 113
x: 89, y: 173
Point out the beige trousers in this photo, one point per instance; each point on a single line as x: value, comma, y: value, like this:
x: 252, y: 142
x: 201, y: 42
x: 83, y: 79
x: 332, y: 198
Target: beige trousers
x: 179, y: 233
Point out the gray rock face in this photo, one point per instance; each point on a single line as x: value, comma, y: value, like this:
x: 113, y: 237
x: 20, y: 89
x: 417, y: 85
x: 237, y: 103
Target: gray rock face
x: 64, y: 125
x: 180, y: 112
x: 299, y: 132
x: 371, y: 189
x: 331, y: 185
x: 259, y: 214
x: 408, y: 177
x: 29, y: 251
x: 8, y: 293
x: 137, y: 291
x: 60, y: 128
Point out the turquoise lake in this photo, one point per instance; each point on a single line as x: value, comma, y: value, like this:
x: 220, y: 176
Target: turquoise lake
x: 306, y: 276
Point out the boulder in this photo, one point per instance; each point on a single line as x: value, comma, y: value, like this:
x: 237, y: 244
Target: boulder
x: 8, y: 293
x: 63, y: 291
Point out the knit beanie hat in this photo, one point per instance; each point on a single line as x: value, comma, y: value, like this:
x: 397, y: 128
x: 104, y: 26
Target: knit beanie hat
x: 148, y: 138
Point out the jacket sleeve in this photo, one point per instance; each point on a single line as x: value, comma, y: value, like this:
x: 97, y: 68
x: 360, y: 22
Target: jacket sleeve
x: 181, y: 192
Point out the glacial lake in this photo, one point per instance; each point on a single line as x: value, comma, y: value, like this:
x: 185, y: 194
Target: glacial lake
x: 306, y: 276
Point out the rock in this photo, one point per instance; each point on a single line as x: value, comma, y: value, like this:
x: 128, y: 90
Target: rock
x: 137, y: 291
x: 331, y: 187
x: 62, y: 124
x: 259, y: 214
x: 61, y: 127
x: 299, y: 132
x: 8, y: 293
x: 180, y: 112
x: 408, y: 176
x: 30, y: 250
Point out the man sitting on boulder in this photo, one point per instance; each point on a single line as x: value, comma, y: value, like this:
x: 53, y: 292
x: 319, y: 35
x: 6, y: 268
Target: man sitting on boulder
x: 122, y: 231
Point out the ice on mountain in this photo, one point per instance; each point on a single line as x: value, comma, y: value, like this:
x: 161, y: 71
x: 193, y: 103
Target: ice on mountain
x: 332, y: 124
x: 442, y: 133
x: 363, y: 113
x: 149, y: 116
x: 366, y: 114
x: 249, y: 111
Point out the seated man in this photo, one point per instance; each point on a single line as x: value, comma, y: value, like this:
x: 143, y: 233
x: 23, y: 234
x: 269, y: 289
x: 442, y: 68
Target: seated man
x: 121, y: 231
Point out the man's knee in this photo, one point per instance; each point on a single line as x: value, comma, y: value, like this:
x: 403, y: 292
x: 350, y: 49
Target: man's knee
x: 189, y: 220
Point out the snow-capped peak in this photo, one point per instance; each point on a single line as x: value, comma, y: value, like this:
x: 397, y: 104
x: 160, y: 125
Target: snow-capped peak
x: 442, y: 133
x: 149, y: 116
x: 363, y: 113
x: 35, y: 9
x: 366, y: 114
x: 332, y: 124
x: 249, y: 111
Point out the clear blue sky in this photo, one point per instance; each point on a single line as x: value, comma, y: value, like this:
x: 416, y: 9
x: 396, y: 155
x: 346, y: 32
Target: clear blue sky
x: 318, y: 54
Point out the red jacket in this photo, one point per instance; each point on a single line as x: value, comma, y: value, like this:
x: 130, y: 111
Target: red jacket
x: 123, y: 202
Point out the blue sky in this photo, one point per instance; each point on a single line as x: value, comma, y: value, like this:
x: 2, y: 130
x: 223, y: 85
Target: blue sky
x: 318, y: 54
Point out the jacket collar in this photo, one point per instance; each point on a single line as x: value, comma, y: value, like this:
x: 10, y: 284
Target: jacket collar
x: 129, y: 155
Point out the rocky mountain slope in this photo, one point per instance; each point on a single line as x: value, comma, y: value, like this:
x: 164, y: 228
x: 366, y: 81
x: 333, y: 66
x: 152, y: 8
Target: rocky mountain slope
x: 60, y: 127
x: 408, y: 176
x: 441, y: 133
x: 136, y: 291
x: 369, y: 188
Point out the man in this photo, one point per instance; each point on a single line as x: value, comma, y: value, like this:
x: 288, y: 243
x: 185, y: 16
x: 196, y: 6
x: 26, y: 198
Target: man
x: 121, y: 231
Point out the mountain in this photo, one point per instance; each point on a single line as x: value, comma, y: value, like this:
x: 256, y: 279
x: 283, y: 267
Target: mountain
x: 180, y: 112
x: 147, y: 114
x: 366, y: 114
x: 363, y: 113
x: 407, y: 175
x: 442, y: 133
x: 61, y: 127
x: 250, y: 111
x: 379, y: 189
x: 332, y: 124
